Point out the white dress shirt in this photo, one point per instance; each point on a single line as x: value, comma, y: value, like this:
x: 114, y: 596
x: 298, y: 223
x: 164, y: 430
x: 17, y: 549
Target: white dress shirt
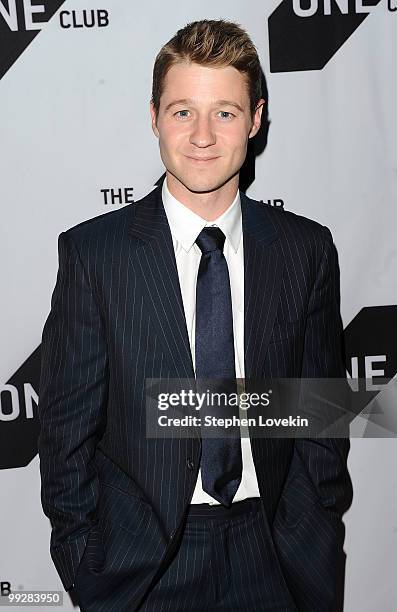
x: 185, y: 227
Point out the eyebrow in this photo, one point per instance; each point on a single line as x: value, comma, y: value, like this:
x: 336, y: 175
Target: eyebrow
x: 217, y: 103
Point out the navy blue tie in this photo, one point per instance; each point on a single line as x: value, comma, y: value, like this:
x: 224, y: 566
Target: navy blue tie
x: 221, y: 461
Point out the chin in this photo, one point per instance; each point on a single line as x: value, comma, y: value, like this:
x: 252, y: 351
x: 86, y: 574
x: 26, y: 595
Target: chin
x: 203, y: 186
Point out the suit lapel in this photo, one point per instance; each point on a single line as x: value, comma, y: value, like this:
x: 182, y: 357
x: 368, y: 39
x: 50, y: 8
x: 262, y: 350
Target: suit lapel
x: 263, y: 267
x: 153, y: 258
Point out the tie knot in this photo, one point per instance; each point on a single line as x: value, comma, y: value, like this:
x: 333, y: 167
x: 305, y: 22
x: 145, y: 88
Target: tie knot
x: 210, y: 239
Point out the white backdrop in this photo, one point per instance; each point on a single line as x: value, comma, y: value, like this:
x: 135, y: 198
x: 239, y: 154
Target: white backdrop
x: 74, y: 120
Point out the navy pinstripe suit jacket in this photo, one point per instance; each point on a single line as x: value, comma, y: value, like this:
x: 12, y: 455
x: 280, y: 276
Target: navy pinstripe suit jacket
x: 116, y: 498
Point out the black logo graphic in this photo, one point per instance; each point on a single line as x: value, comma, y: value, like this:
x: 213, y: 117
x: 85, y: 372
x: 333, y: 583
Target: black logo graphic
x: 19, y: 425
x: 20, y: 22
x: 370, y: 344
x: 305, y: 34
x: 371, y: 360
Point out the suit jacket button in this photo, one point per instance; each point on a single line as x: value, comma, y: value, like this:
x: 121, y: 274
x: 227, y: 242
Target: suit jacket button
x: 190, y: 464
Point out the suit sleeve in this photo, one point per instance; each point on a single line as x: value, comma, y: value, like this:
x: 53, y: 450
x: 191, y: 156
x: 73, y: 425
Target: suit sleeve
x: 326, y: 458
x: 72, y: 409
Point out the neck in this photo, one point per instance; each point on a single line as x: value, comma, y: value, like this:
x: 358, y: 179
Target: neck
x: 208, y: 206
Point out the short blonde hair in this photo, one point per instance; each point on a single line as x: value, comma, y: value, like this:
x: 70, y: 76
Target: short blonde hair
x: 216, y: 43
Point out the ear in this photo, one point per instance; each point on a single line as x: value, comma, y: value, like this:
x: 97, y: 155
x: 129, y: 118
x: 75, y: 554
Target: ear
x: 256, y: 122
x: 154, y: 119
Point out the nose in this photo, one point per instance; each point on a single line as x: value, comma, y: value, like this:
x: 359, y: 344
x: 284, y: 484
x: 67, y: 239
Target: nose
x: 202, y: 134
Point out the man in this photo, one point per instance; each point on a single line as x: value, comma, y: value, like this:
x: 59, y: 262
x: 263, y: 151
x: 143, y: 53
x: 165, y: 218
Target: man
x: 194, y: 280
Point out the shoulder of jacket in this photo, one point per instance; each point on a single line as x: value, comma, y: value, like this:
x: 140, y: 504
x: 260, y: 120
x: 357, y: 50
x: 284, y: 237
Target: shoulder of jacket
x: 105, y: 224
x: 288, y: 219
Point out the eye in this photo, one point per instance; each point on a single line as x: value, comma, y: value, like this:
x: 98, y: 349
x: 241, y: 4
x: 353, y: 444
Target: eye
x: 182, y: 114
x: 226, y: 115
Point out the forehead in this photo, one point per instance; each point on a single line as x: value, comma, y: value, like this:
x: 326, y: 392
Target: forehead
x: 204, y: 83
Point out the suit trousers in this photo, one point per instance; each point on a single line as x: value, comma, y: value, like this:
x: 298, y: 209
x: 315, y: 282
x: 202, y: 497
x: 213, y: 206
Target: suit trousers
x: 225, y: 561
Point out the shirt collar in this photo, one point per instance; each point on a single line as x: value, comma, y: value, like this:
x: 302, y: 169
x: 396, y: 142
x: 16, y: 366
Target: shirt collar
x: 186, y: 225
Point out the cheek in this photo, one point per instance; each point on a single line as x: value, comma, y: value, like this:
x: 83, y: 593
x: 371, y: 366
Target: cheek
x: 171, y: 139
x: 234, y: 137
x: 237, y: 145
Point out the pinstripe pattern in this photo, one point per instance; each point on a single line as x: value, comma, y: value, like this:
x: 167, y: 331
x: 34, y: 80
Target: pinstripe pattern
x: 224, y: 565
x: 117, y: 318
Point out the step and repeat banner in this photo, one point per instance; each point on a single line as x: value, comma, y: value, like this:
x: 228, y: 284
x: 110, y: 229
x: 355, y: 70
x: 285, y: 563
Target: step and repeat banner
x: 76, y: 142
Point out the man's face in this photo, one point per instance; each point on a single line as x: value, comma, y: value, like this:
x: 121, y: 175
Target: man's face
x: 203, y: 125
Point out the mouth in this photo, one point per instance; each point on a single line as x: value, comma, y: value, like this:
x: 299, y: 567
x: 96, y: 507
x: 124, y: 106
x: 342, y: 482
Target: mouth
x: 201, y: 160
